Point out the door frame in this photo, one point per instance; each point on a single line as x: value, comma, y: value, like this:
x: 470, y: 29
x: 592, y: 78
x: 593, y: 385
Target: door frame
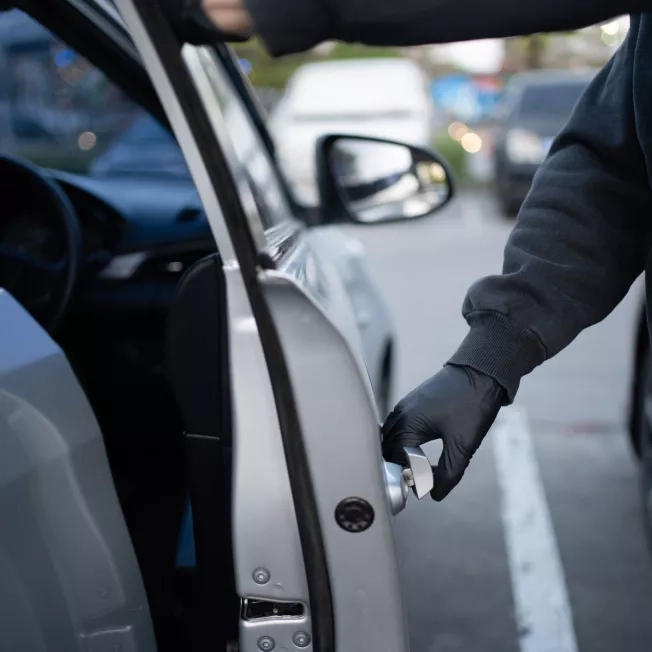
x: 161, y: 52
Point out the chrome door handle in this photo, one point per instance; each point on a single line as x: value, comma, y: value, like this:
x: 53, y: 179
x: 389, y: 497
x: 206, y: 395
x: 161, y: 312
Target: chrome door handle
x: 416, y: 474
x: 397, y: 487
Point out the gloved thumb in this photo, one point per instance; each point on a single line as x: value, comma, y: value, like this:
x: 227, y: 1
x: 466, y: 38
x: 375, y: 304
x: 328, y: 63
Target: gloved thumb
x: 453, y: 462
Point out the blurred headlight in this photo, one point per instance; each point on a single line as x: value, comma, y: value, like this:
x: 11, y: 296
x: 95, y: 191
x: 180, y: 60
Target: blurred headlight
x: 525, y: 147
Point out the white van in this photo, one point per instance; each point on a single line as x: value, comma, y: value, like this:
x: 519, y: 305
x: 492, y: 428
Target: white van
x: 385, y: 98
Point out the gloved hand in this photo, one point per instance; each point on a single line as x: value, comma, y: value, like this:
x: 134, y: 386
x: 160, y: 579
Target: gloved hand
x: 201, y: 22
x: 458, y: 406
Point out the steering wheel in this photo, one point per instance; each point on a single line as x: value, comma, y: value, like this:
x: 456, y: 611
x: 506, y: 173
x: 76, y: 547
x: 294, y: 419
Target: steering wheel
x: 41, y: 250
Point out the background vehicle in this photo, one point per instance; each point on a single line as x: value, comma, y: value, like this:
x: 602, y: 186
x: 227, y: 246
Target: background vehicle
x: 640, y: 411
x: 144, y: 149
x: 386, y: 98
x: 156, y: 337
x: 536, y: 107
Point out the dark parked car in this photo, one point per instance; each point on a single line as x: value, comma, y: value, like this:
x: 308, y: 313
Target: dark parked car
x: 537, y: 105
x: 640, y: 414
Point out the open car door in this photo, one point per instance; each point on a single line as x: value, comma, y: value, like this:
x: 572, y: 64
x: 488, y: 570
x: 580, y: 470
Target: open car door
x: 314, y: 556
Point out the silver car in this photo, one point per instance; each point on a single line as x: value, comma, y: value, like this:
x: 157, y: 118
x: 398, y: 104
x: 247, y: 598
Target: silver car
x: 190, y: 437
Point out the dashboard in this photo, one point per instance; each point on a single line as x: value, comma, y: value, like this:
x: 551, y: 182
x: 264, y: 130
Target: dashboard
x: 27, y: 232
x: 139, y: 237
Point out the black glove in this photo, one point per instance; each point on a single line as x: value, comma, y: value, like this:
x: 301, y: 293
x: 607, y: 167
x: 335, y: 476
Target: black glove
x: 192, y: 25
x: 458, y: 406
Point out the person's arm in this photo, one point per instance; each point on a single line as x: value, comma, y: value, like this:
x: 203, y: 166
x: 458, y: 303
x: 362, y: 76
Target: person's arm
x: 581, y: 239
x: 289, y: 26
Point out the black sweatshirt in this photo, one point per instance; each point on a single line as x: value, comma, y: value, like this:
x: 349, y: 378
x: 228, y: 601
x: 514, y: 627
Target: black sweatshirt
x: 583, y: 234
x: 289, y: 26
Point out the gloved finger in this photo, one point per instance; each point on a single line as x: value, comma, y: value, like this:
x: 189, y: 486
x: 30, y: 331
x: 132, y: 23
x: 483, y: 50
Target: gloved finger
x: 401, y: 431
x: 453, y: 462
x: 394, y: 446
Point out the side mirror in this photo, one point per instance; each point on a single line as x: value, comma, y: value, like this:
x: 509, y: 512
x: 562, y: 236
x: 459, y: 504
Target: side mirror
x: 370, y: 180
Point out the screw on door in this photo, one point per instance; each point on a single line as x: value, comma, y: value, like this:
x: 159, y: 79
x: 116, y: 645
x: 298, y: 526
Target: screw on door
x: 266, y: 644
x: 301, y: 639
x: 354, y: 515
x: 261, y: 576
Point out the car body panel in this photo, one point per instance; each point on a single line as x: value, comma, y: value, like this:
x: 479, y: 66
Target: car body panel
x: 70, y: 579
x: 373, y: 318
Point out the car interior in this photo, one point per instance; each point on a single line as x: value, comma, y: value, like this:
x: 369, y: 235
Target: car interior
x: 126, y: 278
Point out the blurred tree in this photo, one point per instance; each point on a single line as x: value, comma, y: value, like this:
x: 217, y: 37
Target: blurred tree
x: 534, y: 50
x: 527, y: 52
x: 588, y: 47
x: 267, y: 72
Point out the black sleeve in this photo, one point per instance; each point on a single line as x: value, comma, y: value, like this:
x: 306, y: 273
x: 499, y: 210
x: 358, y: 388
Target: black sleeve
x: 288, y: 26
x: 580, y: 241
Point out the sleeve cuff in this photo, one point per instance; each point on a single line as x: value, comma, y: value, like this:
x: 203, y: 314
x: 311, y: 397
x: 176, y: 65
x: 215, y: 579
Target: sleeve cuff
x: 293, y: 25
x: 500, y: 348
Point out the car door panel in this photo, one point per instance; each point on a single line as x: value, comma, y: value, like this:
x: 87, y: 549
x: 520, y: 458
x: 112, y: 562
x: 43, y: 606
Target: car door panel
x: 70, y: 579
x: 339, y: 421
x: 294, y: 339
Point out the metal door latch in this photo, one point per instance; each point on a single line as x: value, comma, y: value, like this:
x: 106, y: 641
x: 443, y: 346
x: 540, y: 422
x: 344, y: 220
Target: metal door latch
x: 415, y: 474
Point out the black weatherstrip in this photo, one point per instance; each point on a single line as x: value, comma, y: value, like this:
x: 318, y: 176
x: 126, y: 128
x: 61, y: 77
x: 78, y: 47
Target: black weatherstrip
x: 314, y: 554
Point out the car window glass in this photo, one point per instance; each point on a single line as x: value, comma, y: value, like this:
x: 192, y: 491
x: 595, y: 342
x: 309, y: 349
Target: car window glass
x: 59, y: 111
x: 255, y: 164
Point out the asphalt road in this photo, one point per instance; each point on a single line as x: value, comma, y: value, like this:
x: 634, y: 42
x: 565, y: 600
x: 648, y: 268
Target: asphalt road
x: 536, y: 551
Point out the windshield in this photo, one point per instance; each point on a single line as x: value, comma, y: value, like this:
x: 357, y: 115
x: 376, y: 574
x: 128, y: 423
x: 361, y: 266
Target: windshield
x: 557, y: 99
x: 60, y: 112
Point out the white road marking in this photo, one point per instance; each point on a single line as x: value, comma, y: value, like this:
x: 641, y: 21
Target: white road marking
x: 543, y: 613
